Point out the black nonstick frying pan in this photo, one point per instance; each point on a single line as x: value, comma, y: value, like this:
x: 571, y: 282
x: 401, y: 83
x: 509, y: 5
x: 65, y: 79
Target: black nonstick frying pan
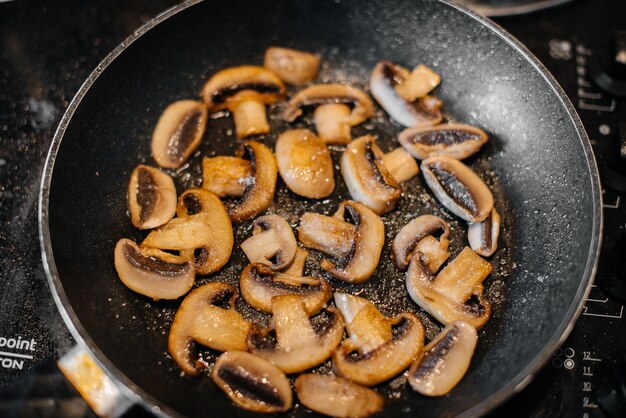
x: 538, y: 164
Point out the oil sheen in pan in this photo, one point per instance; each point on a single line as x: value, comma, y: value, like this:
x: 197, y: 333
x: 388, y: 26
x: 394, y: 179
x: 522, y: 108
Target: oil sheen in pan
x: 387, y: 287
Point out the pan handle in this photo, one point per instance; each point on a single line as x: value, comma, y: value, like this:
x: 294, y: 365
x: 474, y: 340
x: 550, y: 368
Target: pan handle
x: 104, y: 396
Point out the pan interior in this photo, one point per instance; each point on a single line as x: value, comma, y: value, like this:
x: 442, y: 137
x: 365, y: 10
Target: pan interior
x: 535, y: 164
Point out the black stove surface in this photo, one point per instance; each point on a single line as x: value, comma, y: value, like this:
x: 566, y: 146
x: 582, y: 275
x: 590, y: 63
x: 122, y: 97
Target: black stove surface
x: 47, y: 51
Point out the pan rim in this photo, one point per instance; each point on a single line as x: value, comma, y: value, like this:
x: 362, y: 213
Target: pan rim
x: 132, y: 391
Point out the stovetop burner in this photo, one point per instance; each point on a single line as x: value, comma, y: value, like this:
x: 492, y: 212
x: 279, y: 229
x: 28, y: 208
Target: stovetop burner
x: 46, y: 54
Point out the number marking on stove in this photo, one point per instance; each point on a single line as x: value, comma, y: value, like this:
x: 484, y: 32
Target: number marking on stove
x: 587, y: 357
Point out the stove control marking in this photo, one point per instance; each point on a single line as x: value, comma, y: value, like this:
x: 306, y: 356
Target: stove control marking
x: 589, y: 98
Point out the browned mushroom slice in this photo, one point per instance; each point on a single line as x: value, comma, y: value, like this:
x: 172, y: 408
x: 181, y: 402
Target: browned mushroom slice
x: 293, y: 344
x: 458, y: 188
x: 304, y: 163
x: 386, y: 76
x: 296, y: 268
x: 214, y: 253
x: 354, y: 261
x: 292, y: 66
x: 244, y: 91
x: 410, y: 238
x: 226, y: 176
x: 452, y: 140
x: 456, y: 293
x: 189, y: 232
x: 178, y: 132
x: 153, y: 273
x: 418, y: 84
x: 207, y: 316
x: 272, y: 243
x: 444, y: 360
x: 483, y: 236
x: 366, y: 177
x: 382, y: 354
x: 151, y: 197
x: 252, y: 383
x: 337, y: 397
x: 337, y: 109
x: 261, y: 184
x: 259, y: 285
x: 400, y: 165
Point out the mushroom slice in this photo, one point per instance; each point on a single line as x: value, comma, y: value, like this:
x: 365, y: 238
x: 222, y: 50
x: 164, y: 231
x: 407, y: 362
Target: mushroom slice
x: 294, y: 345
x: 260, y: 186
x: 483, y: 236
x: 272, y: 243
x: 296, y: 268
x: 458, y: 188
x: 259, y: 284
x: 207, y: 316
x: 226, y: 176
x: 189, y: 232
x: 337, y: 108
x: 456, y: 293
x: 304, y: 163
x: 452, y: 140
x: 412, y: 234
x: 419, y: 83
x: 444, y: 360
x: 337, y: 397
x: 214, y: 253
x: 382, y: 353
x: 324, y: 233
x: 178, y: 132
x: 151, y: 197
x: 386, y: 76
x: 153, y: 273
x: 366, y: 177
x: 244, y: 91
x: 252, y: 383
x: 400, y: 165
x: 292, y: 66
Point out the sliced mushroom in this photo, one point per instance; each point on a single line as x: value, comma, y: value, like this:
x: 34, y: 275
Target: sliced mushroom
x: 411, y: 236
x: 452, y: 140
x: 293, y: 344
x: 252, y: 383
x: 337, y: 109
x: 304, y: 163
x: 337, y: 397
x: 444, y: 360
x: 259, y: 285
x: 226, y: 176
x: 215, y: 252
x: 483, y: 236
x: 366, y: 177
x: 458, y: 188
x: 359, y: 262
x: 153, y: 273
x: 244, y: 91
x: 456, y: 293
x: 400, y: 165
x: 178, y: 132
x: 260, y: 185
x: 296, y: 268
x: 419, y: 83
x: 207, y: 316
x: 386, y: 76
x: 272, y: 243
x: 382, y: 353
x: 189, y: 232
x: 151, y: 197
x: 292, y: 66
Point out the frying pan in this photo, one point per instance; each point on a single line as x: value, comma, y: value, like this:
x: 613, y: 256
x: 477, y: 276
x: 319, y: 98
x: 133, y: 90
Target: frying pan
x: 538, y: 164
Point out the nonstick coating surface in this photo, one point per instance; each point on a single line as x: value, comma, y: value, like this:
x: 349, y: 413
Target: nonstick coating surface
x: 537, y: 163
